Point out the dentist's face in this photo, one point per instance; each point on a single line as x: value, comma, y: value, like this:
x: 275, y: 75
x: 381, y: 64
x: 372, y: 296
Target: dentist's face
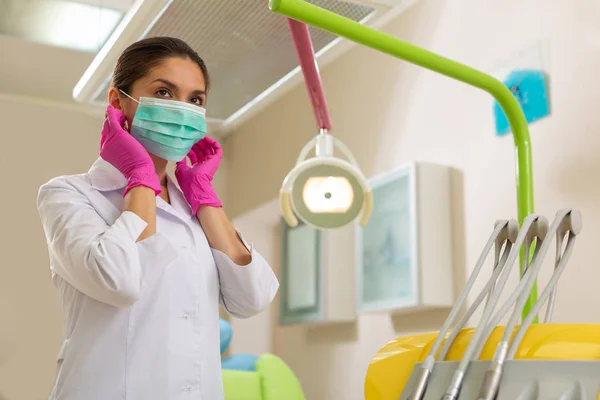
x: 175, y: 78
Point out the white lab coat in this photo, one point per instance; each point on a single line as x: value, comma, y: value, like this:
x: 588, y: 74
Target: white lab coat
x: 142, y: 319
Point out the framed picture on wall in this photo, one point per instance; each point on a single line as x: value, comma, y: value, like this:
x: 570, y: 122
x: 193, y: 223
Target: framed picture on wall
x: 404, y: 254
x: 386, y: 246
x: 301, y: 274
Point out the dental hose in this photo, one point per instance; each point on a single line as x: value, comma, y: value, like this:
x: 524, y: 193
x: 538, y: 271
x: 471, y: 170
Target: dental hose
x: 520, y: 290
x: 566, y: 222
x: 533, y: 226
x: 543, y: 297
x: 505, y: 232
x: 573, y: 227
x: 518, y: 294
x: 485, y: 293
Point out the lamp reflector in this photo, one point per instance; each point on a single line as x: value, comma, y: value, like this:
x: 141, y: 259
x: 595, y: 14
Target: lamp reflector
x: 328, y: 194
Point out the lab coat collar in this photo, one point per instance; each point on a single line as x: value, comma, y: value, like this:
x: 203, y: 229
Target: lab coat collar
x: 105, y: 177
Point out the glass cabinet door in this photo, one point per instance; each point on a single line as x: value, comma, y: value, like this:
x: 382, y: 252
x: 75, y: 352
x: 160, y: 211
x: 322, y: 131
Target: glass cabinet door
x: 301, y: 274
x: 386, y: 246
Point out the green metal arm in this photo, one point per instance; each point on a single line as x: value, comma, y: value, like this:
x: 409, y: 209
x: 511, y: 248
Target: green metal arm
x: 310, y: 14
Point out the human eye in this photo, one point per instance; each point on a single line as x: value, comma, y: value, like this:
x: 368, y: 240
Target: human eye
x: 162, y: 92
x: 199, y: 101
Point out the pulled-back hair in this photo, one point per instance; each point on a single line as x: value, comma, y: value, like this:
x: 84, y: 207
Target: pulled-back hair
x: 139, y: 58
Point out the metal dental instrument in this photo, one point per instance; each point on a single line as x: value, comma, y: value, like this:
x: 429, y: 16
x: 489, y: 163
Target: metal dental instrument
x: 566, y: 222
x: 518, y: 293
x: 533, y: 226
x: 504, y: 234
x: 486, y: 293
x: 571, y: 226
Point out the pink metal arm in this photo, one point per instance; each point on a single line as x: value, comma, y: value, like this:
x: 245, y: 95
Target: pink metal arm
x: 310, y: 69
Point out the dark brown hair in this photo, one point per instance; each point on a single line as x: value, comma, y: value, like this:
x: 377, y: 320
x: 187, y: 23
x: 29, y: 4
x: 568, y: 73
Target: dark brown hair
x: 139, y: 58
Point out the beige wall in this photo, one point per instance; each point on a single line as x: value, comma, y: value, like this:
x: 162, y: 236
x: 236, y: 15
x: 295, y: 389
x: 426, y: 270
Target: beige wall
x: 38, y: 143
x: 40, y: 140
x: 389, y: 113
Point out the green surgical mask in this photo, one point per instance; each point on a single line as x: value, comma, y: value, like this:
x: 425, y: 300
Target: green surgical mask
x: 167, y: 128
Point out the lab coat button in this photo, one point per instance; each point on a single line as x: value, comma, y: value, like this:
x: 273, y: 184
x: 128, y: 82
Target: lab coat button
x: 185, y: 316
x: 188, y: 388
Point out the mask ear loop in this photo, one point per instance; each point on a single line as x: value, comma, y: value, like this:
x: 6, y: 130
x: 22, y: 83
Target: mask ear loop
x: 127, y: 123
x: 129, y: 96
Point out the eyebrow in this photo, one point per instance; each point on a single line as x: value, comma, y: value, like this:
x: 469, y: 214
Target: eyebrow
x: 174, y: 87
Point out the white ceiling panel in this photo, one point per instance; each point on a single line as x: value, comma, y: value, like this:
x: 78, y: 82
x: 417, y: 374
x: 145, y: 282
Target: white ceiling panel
x: 82, y: 25
x: 247, y: 48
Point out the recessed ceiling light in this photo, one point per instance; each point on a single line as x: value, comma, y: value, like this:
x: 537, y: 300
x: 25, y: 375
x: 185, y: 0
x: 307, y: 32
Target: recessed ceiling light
x: 61, y: 23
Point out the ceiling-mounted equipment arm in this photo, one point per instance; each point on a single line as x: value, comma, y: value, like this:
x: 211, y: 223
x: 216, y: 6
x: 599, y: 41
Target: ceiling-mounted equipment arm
x: 312, y: 15
x: 310, y: 69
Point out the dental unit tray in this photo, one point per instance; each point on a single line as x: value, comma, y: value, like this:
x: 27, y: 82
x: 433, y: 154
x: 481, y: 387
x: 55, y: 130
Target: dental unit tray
x: 526, y: 362
x: 554, y: 358
x: 522, y: 380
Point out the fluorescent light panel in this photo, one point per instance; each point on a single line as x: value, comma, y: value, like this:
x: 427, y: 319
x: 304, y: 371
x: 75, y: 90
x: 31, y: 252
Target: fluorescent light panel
x: 60, y: 23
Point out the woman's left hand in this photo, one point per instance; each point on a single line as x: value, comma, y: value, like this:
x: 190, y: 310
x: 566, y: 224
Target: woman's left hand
x: 196, y: 181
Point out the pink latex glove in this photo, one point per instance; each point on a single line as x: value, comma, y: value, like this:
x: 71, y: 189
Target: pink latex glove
x: 196, y: 181
x: 126, y: 154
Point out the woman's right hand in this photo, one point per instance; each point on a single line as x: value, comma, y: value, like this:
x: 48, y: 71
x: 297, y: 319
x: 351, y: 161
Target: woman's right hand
x: 126, y: 154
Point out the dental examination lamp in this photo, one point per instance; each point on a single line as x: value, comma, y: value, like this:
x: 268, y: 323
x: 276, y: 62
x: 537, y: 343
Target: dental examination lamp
x: 310, y: 14
x: 323, y: 191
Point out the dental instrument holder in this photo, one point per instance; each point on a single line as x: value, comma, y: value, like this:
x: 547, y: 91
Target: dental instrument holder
x: 502, y: 239
x: 519, y: 379
x: 310, y: 14
x: 534, y: 226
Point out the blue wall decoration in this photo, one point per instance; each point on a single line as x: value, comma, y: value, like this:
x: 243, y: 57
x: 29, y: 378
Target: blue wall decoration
x: 531, y: 91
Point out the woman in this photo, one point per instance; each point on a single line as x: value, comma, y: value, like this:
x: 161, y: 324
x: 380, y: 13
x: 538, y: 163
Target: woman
x: 140, y: 264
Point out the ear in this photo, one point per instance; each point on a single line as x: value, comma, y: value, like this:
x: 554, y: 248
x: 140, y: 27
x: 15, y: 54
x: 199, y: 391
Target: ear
x: 114, y: 98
